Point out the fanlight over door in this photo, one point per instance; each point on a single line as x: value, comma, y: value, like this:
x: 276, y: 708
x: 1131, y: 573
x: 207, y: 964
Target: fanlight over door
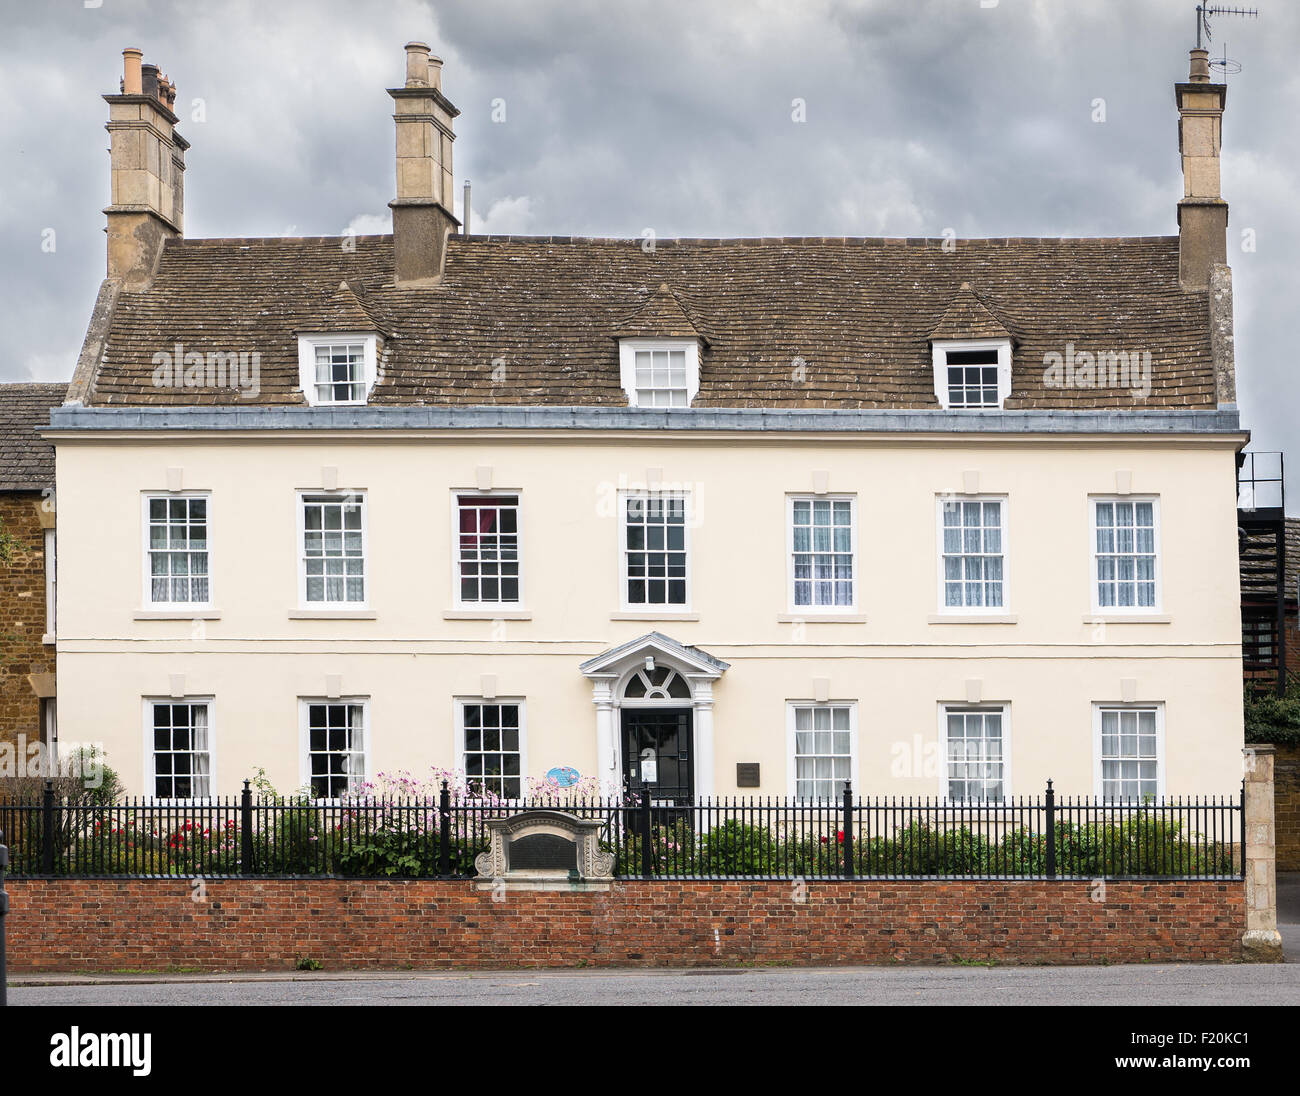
x: 661, y: 683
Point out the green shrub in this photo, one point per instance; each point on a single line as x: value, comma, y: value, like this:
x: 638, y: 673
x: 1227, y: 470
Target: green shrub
x: 737, y: 848
x: 1272, y: 718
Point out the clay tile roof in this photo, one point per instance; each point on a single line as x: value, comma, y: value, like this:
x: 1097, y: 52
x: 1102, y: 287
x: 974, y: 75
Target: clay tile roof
x: 857, y: 313
x: 662, y: 316
x: 969, y: 317
x: 27, y: 459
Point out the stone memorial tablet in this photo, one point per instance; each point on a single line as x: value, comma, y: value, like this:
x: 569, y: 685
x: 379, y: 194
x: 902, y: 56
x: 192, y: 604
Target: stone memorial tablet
x: 543, y: 850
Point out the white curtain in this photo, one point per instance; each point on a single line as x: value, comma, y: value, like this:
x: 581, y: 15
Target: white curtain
x: 202, y: 760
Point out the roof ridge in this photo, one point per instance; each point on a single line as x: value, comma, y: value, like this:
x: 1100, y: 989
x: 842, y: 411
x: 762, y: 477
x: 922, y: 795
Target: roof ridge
x: 182, y: 242
x: 943, y: 242
x: 864, y: 241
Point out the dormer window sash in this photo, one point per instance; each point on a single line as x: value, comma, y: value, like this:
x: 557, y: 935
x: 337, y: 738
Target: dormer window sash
x: 337, y: 368
x: 972, y: 374
x: 660, y: 373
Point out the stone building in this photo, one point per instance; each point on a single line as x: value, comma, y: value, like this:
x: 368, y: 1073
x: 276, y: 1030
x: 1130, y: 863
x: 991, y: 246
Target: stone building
x: 27, y: 697
x: 698, y: 517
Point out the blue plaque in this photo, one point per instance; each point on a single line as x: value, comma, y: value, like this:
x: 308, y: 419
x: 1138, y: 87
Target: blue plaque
x: 563, y: 776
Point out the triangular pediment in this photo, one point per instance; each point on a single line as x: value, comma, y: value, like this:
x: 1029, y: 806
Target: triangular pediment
x: 685, y: 659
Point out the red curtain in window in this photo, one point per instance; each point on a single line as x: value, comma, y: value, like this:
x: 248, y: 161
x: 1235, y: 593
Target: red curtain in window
x: 474, y: 522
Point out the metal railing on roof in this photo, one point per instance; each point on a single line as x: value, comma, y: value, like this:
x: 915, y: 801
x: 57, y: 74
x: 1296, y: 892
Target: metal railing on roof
x: 1260, y: 482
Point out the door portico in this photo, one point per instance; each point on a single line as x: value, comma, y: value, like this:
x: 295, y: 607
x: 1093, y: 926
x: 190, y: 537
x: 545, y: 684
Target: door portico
x: 631, y: 676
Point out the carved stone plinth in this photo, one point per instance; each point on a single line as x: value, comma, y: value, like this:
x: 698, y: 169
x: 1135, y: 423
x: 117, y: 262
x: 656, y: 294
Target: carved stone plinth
x: 544, y: 848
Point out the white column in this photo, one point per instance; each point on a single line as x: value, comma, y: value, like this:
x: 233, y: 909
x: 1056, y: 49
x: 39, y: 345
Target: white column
x: 606, y: 729
x: 704, y: 787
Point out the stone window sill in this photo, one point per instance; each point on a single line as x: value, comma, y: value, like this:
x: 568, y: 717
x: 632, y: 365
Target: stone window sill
x: 652, y: 615
x: 973, y: 618
x: 1121, y: 618
x: 177, y: 614
x: 487, y: 614
x: 333, y: 614
x: 823, y: 618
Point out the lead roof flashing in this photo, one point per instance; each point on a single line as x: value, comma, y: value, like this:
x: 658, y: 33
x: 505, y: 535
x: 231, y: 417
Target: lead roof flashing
x: 740, y: 420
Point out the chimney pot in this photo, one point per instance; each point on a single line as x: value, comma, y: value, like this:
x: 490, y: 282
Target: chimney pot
x: 131, y: 59
x: 417, y: 65
x: 1200, y: 67
x: 435, y: 72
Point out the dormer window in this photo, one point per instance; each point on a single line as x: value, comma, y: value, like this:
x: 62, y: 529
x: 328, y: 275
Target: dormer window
x: 660, y: 372
x: 337, y: 368
x: 974, y: 374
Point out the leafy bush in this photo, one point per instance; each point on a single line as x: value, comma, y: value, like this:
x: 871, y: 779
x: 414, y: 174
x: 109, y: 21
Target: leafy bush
x: 83, y: 779
x: 920, y: 849
x: 673, y: 848
x: 737, y: 848
x: 1272, y: 718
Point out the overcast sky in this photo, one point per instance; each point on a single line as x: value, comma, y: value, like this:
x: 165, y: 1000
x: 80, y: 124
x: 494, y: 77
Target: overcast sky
x: 675, y: 115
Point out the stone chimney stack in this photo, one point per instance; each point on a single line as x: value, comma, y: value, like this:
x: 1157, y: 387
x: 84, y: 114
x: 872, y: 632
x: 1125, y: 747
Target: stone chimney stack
x: 422, y: 217
x: 148, y: 172
x: 1202, y: 214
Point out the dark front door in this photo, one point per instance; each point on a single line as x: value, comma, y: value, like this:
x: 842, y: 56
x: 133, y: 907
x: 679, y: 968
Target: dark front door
x: 658, y: 754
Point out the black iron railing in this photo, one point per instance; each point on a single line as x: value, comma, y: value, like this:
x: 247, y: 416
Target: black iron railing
x: 890, y: 837
x: 1261, y: 482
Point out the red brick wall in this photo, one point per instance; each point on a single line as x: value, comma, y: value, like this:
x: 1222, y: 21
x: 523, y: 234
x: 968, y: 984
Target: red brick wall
x: 22, y: 617
x: 120, y: 924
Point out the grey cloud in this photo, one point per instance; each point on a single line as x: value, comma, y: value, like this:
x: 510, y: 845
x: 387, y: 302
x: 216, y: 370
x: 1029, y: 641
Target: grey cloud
x: 922, y: 115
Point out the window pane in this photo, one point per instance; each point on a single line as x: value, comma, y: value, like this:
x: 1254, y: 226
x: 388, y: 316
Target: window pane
x: 1129, y: 754
x: 822, y: 539
x: 333, y: 548
x: 1126, y: 555
x: 340, y: 373
x: 823, y: 750
x: 657, y: 525
x: 492, y: 748
x: 177, y: 548
x: 975, y: 754
x: 660, y: 378
x: 181, y: 762
x: 487, y: 547
x: 972, y: 554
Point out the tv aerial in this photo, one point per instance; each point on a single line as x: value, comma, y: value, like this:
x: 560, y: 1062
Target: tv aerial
x: 1225, y: 64
x: 1203, y: 32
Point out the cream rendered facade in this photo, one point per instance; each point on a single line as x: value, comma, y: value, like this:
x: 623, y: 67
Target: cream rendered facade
x: 1048, y: 656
